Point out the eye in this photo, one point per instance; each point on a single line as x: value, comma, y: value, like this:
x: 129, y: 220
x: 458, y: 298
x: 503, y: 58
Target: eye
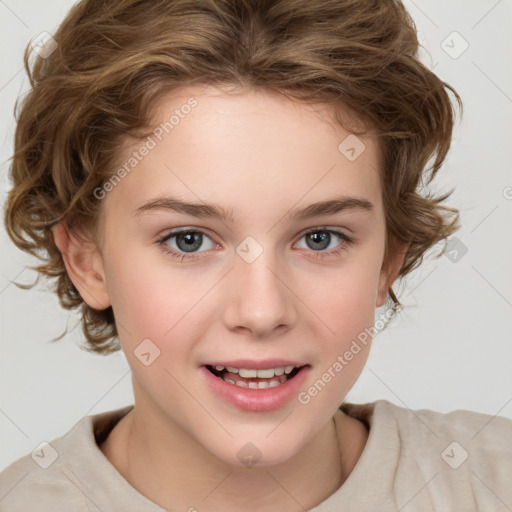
x: 318, y: 239
x: 184, y: 243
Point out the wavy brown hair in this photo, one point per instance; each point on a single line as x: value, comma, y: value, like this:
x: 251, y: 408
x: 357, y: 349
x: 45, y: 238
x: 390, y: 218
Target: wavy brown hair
x: 115, y: 58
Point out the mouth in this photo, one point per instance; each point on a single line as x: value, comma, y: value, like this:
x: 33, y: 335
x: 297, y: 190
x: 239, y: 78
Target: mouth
x: 252, y: 378
x: 257, y: 386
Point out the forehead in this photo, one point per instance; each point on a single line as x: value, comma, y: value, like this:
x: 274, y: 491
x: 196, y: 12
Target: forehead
x: 238, y: 147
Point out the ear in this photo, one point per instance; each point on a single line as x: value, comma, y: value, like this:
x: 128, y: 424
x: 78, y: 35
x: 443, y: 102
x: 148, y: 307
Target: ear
x: 84, y: 265
x: 390, y: 269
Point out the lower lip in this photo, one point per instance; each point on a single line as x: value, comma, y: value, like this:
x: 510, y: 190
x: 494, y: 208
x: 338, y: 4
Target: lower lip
x: 258, y: 400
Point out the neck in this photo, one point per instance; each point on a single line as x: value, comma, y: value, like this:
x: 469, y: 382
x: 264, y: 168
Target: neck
x: 171, y: 469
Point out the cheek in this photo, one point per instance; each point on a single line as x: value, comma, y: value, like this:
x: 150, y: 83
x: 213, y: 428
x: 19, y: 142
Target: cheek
x: 345, y: 298
x: 139, y: 306
x: 158, y: 324
x: 168, y: 308
x: 345, y: 303
x: 148, y: 298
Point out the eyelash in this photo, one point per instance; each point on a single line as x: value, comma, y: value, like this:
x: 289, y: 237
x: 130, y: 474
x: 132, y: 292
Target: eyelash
x: 346, y: 242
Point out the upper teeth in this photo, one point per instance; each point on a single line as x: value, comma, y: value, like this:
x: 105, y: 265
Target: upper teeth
x: 262, y: 374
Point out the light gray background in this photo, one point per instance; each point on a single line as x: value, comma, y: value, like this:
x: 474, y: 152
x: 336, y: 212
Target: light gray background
x: 451, y: 347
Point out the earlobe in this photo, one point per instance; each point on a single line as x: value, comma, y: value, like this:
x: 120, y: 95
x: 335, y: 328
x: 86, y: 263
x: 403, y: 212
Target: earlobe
x: 84, y: 266
x: 390, y: 271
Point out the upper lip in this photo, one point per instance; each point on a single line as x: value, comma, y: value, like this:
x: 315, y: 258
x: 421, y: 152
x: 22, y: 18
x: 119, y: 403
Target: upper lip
x: 251, y: 364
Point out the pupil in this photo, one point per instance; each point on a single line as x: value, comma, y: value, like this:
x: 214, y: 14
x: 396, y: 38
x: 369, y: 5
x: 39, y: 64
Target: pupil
x: 319, y: 237
x: 192, y: 241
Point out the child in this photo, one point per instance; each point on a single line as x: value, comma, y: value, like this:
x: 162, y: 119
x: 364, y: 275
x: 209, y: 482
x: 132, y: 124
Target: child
x: 228, y: 190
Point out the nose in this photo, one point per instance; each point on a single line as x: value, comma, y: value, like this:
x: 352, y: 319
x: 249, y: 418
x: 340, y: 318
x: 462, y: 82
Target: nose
x: 259, y: 297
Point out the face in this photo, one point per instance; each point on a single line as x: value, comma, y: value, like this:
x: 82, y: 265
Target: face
x: 256, y: 288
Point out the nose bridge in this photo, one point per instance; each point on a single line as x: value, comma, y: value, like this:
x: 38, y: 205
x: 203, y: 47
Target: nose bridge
x: 258, y: 259
x: 258, y: 299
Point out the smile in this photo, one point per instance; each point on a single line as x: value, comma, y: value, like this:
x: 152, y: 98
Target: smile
x: 274, y: 384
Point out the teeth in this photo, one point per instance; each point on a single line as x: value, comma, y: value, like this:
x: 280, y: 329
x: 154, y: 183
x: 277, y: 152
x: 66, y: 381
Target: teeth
x: 256, y: 385
x: 267, y: 373
x: 247, y: 374
x: 274, y: 376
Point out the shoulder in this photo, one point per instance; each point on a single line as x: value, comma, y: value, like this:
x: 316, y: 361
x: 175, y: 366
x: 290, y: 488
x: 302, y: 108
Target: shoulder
x: 40, y: 481
x: 460, y: 458
x: 482, y: 433
x: 478, y: 434
x: 67, y: 473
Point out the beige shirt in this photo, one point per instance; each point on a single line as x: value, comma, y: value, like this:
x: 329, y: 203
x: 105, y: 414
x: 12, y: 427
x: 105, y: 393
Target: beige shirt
x: 413, y: 461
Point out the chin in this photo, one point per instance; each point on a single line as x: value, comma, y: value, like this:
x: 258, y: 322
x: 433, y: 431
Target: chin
x: 258, y: 452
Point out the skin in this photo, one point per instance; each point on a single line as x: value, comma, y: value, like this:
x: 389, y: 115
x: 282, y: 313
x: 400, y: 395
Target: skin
x: 260, y: 155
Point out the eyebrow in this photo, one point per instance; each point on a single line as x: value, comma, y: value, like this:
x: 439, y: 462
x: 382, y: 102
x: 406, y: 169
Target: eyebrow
x: 208, y: 210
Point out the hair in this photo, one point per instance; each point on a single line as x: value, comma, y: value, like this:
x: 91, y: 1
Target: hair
x: 115, y: 58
